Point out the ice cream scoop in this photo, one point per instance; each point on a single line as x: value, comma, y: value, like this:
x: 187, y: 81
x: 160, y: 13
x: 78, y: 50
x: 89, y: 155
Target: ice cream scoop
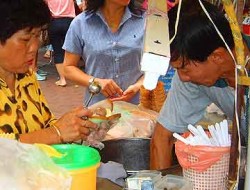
x: 94, y: 88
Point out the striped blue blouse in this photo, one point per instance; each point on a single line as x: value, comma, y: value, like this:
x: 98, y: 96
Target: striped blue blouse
x: 108, y: 55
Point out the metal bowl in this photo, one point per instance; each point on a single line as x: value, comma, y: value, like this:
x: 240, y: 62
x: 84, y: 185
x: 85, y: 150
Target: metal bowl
x: 133, y: 153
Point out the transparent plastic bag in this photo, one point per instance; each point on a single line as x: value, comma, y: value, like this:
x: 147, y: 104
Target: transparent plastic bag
x: 26, y: 167
x: 135, y: 121
x: 96, y: 136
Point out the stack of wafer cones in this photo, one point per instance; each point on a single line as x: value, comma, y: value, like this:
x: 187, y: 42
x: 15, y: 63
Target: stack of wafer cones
x: 153, y: 99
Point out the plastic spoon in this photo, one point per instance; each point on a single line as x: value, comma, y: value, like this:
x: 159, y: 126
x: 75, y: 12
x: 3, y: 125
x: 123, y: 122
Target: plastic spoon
x: 213, y: 134
x: 203, y: 134
x: 182, y: 139
x: 219, y: 134
x: 193, y: 130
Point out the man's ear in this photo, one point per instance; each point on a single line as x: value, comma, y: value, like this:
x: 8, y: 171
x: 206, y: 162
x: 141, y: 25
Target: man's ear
x: 218, y: 56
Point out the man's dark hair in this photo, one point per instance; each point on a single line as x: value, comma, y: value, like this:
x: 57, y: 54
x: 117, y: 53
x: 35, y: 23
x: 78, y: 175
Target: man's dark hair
x: 94, y: 5
x: 16, y: 15
x: 196, y: 36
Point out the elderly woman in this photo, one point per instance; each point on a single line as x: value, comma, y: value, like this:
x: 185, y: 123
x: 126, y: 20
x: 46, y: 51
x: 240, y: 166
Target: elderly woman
x: 24, y: 113
x: 108, y: 36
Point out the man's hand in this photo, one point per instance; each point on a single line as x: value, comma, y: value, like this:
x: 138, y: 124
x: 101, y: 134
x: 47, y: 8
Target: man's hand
x: 161, y: 148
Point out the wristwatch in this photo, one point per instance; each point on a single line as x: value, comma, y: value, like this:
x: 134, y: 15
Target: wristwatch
x: 91, y: 80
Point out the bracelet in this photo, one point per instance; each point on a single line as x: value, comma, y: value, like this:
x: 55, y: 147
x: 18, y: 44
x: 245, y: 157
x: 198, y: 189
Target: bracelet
x: 58, y: 133
x: 91, y: 80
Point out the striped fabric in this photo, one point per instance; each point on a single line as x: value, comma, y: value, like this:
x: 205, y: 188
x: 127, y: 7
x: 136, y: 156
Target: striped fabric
x: 110, y: 55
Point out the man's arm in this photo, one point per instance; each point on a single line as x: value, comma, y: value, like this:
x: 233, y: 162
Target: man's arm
x: 161, y: 148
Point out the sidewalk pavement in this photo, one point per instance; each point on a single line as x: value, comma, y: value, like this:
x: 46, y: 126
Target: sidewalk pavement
x: 60, y: 99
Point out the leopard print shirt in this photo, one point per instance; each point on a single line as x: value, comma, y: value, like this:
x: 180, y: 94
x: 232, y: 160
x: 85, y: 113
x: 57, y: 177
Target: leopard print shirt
x: 27, y: 109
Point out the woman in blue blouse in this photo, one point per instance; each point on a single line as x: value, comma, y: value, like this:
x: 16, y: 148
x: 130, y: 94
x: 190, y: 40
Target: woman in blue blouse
x: 108, y: 36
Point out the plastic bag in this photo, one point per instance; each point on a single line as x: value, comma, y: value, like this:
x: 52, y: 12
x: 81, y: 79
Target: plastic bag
x: 26, y: 167
x: 206, y: 155
x: 96, y: 136
x: 134, y: 122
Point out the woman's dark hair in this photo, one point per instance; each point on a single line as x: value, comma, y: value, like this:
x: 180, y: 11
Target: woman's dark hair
x: 16, y: 15
x: 196, y: 36
x: 94, y: 5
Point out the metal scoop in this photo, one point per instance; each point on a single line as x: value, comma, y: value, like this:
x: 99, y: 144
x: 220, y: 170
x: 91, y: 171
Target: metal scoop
x: 94, y: 88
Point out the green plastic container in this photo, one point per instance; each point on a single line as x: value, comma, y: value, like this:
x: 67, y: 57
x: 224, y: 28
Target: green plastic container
x: 81, y: 162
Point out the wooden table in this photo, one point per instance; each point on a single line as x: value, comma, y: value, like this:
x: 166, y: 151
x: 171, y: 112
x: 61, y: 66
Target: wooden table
x: 105, y: 184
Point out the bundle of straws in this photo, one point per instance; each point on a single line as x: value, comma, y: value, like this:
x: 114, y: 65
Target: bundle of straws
x: 218, y: 135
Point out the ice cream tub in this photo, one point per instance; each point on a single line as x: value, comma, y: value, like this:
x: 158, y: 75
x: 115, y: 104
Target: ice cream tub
x: 81, y: 162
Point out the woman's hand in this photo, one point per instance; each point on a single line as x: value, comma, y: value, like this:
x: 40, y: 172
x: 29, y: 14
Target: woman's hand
x: 109, y: 88
x: 72, y: 127
x: 82, y: 6
x: 128, y: 94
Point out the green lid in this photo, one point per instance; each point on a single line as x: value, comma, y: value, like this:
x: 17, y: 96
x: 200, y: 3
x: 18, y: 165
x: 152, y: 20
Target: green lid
x: 76, y: 156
